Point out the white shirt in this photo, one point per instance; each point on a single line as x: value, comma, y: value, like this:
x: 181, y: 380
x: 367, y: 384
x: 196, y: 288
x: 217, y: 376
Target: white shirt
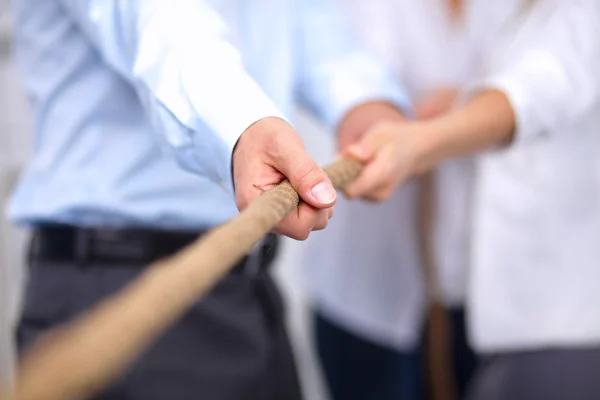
x: 363, y: 271
x: 536, y: 232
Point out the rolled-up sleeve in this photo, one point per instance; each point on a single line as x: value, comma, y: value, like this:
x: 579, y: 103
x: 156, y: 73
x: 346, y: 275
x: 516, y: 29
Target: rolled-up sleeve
x: 188, y: 75
x: 548, y: 66
x: 336, y: 73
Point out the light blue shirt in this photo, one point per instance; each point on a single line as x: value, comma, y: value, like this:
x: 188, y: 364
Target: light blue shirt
x: 138, y: 103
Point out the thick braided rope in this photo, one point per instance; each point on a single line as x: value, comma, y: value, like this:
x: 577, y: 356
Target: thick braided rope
x: 86, y: 355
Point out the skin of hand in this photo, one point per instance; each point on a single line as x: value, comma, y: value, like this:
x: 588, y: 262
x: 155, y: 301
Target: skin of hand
x: 270, y: 151
x: 394, y: 152
x: 436, y: 103
x: 360, y: 119
x: 390, y: 152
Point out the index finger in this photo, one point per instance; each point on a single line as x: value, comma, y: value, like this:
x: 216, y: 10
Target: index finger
x: 298, y: 224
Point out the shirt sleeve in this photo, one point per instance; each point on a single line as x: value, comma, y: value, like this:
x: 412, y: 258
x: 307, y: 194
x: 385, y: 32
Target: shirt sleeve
x: 335, y: 72
x: 187, y: 73
x: 548, y: 66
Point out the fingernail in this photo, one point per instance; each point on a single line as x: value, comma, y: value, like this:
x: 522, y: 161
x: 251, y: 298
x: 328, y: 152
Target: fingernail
x: 323, y: 193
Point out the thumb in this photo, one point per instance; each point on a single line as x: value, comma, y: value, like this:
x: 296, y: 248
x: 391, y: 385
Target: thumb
x: 366, y: 149
x: 307, y: 178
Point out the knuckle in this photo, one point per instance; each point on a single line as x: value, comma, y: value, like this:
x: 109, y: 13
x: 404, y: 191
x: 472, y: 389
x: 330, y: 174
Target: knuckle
x: 302, y: 236
x: 320, y: 227
x: 323, y: 220
x: 349, y: 194
x: 296, y: 234
x: 330, y: 212
x: 384, y: 195
x: 305, y: 172
x: 381, y: 196
x: 357, y: 188
x: 305, y: 225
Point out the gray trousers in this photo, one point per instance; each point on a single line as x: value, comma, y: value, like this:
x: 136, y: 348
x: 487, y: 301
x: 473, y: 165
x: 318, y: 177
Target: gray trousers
x: 231, y: 346
x: 544, y: 375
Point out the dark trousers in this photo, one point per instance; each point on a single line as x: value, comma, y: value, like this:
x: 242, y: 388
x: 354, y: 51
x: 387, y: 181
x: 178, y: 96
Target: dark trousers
x: 357, y: 369
x: 232, y: 345
x: 548, y: 375
x: 464, y: 359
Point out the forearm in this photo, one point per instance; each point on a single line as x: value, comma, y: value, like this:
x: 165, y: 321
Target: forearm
x: 486, y: 121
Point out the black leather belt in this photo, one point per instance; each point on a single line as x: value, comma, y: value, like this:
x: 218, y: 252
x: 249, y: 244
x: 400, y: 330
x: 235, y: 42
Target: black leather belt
x: 124, y: 247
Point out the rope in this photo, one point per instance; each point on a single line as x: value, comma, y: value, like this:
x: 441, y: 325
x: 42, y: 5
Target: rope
x: 81, y: 358
x: 438, y: 327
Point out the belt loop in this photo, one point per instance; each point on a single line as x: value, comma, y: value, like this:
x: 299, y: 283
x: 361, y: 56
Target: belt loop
x: 82, y: 246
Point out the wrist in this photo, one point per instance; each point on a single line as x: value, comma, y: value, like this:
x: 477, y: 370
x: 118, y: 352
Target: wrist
x: 487, y: 121
x: 267, y: 124
x: 429, y: 145
x: 263, y: 127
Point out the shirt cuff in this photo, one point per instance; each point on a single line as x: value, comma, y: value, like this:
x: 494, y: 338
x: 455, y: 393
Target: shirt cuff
x: 229, y: 132
x: 536, y: 87
x: 249, y: 106
x: 526, y: 128
x: 244, y: 113
x: 196, y: 146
